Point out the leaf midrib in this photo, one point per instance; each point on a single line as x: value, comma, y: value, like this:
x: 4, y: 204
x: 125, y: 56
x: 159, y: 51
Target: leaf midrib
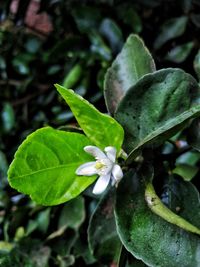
x: 47, y: 169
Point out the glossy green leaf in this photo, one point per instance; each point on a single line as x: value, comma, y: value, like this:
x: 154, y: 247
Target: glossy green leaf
x: 140, y: 229
x: 193, y: 136
x: 171, y: 29
x: 44, y: 166
x: 102, y: 234
x: 179, y: 53
x: 131, y: 64
x: 100, y: 128
x: 186, y: 171
x: 156, y: 107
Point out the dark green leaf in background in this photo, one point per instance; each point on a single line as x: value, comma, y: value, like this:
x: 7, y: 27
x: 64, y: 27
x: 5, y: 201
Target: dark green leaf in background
x: 130, y: 17
x: 131, y: 64
x: 3, y: 169
x: 193, y: 136
x: 7, y: 117
x: 156, y: 107
x: 103, y: 238
x: 72, y: 214
x: 171, y: 29
x: 113, y: 33
x: 196, y: 64
x: 179, y: 53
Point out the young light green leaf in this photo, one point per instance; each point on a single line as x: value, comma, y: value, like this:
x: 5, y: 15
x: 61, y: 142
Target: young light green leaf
x: 140, y: 229
x: 131, y: 64
x: 156, y: 107
x: 44, y: 166
x: 100, y: 128
x: 173, y: 28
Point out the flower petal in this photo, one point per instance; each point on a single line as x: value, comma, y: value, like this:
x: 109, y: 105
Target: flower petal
x: 117, y: 174
x: 111, y: 153
x: 87, y: 169
x: 101, y: 184
x: 95, y: 152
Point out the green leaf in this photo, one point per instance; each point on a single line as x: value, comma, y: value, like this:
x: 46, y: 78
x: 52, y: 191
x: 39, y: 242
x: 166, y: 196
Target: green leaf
x: 112, y: 32
x: 102, y: 234
x: 171, y: 29
x: 99, y: 48
x: 44, y: 166
x: 157, y: 107
x: 131, y: 64
x: 146, y: 235
x: 87, y: 18
x: 179, y: 53
x: 130, y: 17
x: 193, y: 136
x: 127, y: 260
x: 73, y: 76
x: 101, y: 129
x: 189, y: 157
x: 72, y: 214
x: 186, y: 171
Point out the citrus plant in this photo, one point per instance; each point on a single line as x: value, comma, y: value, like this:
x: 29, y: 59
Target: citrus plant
x: 140, y: 159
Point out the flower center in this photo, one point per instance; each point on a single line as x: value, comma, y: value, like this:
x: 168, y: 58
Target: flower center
x: 103, y: 166
x: 99, y: 165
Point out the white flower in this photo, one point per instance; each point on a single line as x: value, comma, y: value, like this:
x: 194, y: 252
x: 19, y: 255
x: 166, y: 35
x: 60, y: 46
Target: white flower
x: 104, y: 166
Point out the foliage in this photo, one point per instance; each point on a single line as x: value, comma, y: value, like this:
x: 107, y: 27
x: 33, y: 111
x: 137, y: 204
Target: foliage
x: 77, y: 55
